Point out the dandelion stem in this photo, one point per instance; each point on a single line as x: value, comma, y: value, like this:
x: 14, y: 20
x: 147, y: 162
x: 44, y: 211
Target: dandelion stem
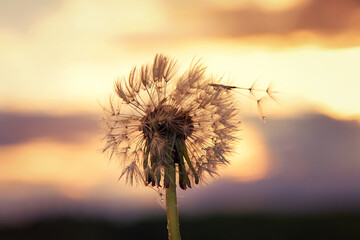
x: 171, y: 206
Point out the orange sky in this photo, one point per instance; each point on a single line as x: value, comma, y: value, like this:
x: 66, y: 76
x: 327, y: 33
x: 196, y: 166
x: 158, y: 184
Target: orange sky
x: 61, y: 57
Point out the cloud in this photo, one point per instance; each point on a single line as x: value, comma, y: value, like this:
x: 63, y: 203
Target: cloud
x: 324, y: 17
x: 327, y: 15
x: 17, y: 128
x: 174, y: 20
x: 332, y: 24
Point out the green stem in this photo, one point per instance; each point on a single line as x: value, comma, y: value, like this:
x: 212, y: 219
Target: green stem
x: 171, y: 206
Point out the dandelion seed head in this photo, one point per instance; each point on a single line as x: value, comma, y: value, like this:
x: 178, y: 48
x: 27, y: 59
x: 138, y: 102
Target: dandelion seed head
x: 164, y: 119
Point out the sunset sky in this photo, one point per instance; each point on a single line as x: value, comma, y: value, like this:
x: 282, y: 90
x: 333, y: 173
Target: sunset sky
x: 59, y: 60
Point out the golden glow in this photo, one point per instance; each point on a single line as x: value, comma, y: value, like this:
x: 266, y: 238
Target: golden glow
x: 249, y: 161
x: 50, y: 162
x: 80, y: 170
x: 76, y: 170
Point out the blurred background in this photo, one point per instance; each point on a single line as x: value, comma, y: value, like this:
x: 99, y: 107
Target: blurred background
x: 295, y: 177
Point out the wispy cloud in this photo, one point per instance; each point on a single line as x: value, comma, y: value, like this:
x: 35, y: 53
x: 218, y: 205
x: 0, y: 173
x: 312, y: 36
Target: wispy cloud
x: 319, y: 16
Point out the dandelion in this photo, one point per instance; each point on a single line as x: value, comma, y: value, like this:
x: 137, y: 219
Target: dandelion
x: 170, y: 129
